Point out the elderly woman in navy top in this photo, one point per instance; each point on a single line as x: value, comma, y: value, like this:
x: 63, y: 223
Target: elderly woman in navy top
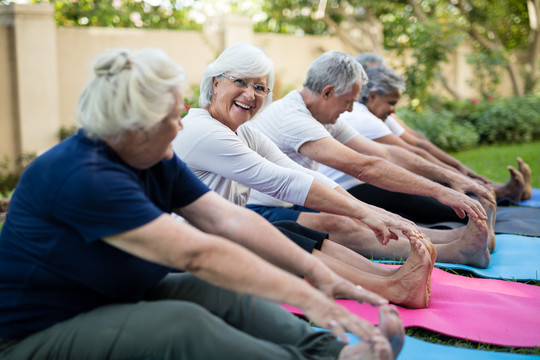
x: 88, y: 245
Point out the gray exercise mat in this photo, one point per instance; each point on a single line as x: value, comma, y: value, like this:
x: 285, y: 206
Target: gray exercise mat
x: 516, y: 220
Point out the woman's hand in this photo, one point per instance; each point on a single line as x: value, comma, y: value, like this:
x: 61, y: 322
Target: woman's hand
x: 336, y: 287
x: 385, y: 224
x: 325, y: 312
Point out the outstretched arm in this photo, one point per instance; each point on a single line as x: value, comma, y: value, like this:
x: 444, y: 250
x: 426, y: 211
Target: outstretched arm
x: 339, y: 202
x: 392, y: 139
x: 418, y: 140
x: 225, y: 263
x: 401, y: 156
x: 386, y: 175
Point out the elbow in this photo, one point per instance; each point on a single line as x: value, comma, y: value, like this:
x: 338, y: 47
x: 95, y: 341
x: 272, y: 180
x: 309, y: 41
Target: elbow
x: 423, y: 144
x: 366, y: 171
x: 201, y: 258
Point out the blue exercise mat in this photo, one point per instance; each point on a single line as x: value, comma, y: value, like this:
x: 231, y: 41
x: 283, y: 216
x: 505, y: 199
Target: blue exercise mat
x: 515, y: 257
x: 415, y: 349
x: 533, y: 202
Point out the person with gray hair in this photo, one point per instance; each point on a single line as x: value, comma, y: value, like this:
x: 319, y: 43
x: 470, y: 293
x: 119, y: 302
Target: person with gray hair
x: 336, y: 68
x: 305, y: 126
x: 88, y: 247
x: 369, y: 60
x: 376, y: 120
x: 382, y: 80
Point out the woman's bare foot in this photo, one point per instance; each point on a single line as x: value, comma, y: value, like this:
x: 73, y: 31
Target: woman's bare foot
x: 374, y: 348
x: 471, y: 249
x: 525, y: 170
x: 391, y: 326
x: 514, y: 188
x: 491, y: 210
x: 410, y: 286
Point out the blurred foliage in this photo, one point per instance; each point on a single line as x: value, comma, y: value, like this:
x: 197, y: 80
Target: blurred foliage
x: 441, y: 129
x: 66, y: 131
x: 458, y: 125
x: 122, y: 13
x: 427, y: 30
x: 292, y: 17
x: 9, y: 178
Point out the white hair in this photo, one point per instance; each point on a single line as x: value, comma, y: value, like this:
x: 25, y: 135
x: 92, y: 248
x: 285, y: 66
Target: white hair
x: 241, y: 60
x: 334, y: 68
x: 130, y: 90
x: 382, y: 80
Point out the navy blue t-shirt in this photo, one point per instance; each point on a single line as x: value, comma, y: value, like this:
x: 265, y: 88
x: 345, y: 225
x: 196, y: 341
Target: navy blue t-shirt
x: 53, y: 264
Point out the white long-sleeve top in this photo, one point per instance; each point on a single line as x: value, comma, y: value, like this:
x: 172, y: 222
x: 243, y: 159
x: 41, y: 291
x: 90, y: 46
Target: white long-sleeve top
x: 231, y: 163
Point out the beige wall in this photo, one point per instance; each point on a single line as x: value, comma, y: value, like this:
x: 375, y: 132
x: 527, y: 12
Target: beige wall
x: 8, y: 134
x: 78, y: 47
x: 34, y: 75
x: 44, y: 68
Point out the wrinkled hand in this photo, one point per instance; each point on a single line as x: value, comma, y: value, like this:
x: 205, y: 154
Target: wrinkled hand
x: 326, y: 313
x: 466, y: 185
x: 336, y: 287
x: 385, y: 224
x: 462, y: 204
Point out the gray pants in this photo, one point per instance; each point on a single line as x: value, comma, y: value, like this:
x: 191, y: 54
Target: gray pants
x: 182, y: 318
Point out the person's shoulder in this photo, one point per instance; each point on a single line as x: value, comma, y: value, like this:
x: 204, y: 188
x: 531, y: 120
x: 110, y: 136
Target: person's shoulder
x: 198, y: 123
x: 252, y: 135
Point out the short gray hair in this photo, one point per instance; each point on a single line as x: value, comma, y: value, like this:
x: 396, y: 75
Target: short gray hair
x: 383, y: 80
x: 241, y: 60
x: 334, y: 68
x: 366, y: 59
x: 129, y: 91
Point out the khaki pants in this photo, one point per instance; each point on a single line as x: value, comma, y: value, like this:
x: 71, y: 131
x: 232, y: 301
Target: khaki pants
x: 182, y: 318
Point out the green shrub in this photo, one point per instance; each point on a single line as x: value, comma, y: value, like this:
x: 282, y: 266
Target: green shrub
x: 509, y: 120
x: 66, y: 131
x: 441, y: 128
x: 10, y: 178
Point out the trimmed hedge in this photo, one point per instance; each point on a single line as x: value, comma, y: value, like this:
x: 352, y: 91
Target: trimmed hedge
x: 454, y: 125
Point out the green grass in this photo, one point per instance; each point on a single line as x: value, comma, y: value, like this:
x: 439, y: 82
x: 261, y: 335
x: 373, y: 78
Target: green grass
x: 492, y: 160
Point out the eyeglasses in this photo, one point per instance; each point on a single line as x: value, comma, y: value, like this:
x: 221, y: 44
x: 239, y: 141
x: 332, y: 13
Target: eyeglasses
x: 243, y: 84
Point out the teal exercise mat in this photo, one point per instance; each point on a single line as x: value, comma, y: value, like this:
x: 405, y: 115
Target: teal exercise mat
x: 415, y: 349
x: 517, y: 220
x: 515, y: 258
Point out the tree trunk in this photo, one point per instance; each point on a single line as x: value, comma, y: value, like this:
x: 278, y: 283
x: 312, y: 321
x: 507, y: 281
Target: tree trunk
x: 531, y: 79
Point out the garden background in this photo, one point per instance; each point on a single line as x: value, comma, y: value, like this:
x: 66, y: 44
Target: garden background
x: 471, y: 67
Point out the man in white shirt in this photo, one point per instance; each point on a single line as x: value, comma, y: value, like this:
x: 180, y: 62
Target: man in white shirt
x: 305, y: 126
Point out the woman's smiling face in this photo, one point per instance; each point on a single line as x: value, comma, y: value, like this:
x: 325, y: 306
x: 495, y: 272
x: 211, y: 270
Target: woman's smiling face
x: 232, y: 103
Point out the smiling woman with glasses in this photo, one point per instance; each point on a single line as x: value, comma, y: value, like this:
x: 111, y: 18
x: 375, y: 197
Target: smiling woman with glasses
x: 244, y: 84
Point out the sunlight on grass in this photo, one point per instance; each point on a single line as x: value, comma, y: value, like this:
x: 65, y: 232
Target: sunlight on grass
x: 492, y: 160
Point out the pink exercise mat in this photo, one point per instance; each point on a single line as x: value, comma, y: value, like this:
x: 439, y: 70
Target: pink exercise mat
x: 484, y: 310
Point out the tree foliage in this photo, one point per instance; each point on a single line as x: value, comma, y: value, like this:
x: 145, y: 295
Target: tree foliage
x: 122, y: 13
x: 504, y: 34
